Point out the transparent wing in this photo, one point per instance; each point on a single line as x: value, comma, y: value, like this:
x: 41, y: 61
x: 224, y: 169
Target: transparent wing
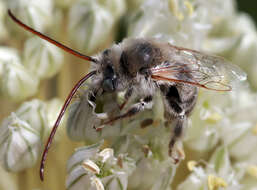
x: 198, y: 69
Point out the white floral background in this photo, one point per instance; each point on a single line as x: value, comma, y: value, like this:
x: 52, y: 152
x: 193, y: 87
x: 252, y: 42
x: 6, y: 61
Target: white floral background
x: 35, y: 77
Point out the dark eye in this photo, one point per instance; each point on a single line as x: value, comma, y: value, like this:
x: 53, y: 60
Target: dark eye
x: 109, y: 81
x: 108, y: 72
x: 123, y: 62
x: 108, y: 85
x: 106, y: 52
x: 144, y: 71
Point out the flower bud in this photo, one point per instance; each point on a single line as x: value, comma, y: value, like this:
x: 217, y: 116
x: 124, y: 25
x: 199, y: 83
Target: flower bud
x: 16, y: 82
x: 36, y: 13
x: 20, y: 144
x: 116, y: 7
x: 90, y: 25
x: 53, y: 108
x: 83, y: 119
x: 7, y: 55
x: 35, y: 114
x: 42, y: 58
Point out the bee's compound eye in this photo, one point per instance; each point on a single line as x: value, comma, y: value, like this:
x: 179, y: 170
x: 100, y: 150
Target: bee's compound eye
x: 108, y: 85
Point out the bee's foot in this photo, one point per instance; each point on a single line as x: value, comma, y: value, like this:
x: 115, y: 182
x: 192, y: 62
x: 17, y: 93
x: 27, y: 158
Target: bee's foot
x: 177, y: 154
x: 99, y: 128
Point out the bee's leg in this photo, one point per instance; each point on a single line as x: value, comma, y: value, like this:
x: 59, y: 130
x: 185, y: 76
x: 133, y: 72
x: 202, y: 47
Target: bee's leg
x: 145, y: 103
x: 91, y: 100
x: 127, y: 96
x: 179, y: 100
x: 177, y: 152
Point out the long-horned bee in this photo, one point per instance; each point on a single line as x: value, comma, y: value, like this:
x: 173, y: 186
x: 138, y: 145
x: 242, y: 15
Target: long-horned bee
x: 141, y: 67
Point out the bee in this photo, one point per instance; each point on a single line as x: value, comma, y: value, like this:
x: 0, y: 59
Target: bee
x: 142, y: 67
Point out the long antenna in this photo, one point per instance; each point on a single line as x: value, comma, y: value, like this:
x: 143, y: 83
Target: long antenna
x: 58, y: 44
x: 51, y: 136
x: 70, y: 96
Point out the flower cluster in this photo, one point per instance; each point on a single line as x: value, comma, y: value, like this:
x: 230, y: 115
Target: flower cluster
x: 221, y: 136
x: 98, y: 169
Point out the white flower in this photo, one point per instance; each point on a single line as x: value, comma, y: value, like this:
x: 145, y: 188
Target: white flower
x: 216, y: 173
x: 174, y: 21
x: 151, y: 173
x: 42, y: 58
x: 202, y: 133
x: 90, y: 167
x: 237, y: 129
x: 245, y: 52
x: 20, y: 144
x: 87, y: 168
x: 82, y: 154
x: 16, y: 82
x: 106, y: 154
x: 235, y: 37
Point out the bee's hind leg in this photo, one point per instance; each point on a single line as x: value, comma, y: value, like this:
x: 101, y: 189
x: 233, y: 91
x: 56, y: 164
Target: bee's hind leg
x: 176, y: 152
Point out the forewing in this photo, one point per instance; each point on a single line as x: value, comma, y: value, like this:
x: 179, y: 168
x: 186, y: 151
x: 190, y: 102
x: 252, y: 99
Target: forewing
x: 198, y: 69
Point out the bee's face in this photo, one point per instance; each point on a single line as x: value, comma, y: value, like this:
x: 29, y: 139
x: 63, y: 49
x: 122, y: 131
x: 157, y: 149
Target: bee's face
x: 110, y: 69
x: 109, y: 83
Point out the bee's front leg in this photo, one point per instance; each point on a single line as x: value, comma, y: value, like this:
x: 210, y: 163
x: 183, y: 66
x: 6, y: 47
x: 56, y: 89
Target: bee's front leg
x: 145, y: 103
x: 128, y: 94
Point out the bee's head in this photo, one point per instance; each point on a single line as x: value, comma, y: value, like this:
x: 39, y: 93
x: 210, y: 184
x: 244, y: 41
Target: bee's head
x: 110, y: 69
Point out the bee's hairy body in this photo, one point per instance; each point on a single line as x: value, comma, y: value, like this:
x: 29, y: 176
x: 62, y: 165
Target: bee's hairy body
x: 127, y: 67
